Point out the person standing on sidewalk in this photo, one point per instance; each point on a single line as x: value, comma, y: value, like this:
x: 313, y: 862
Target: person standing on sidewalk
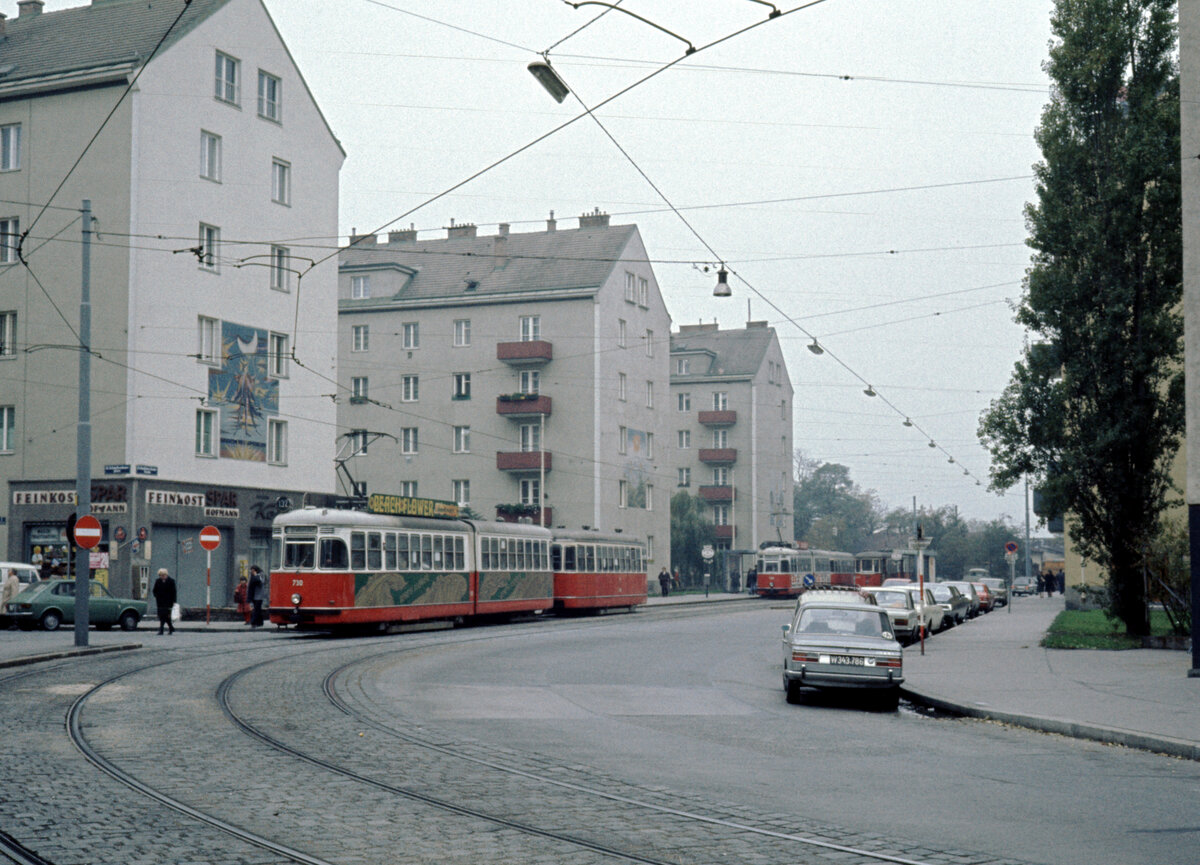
x: 11, y: 586
x: 257, y: 594
x: 239, y: 598
x: 164, y: 596
x: 664, y: 581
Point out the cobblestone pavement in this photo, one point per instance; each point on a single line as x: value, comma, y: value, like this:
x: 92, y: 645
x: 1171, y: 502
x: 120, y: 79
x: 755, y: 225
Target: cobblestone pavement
x: 164, y: 725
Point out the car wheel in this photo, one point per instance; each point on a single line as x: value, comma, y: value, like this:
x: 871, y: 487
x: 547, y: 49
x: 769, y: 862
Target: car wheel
x: 129, y: 621
x: 793, y: 692
x: 51, y: 620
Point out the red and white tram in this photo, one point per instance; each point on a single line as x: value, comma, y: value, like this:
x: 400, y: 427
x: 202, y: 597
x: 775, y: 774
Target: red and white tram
x: 781, y: 569
x: 593, y: 572
x: 872, y: 567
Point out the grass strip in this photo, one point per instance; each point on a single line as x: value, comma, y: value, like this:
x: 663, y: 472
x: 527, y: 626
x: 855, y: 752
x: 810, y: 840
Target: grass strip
x: 1091, y: 629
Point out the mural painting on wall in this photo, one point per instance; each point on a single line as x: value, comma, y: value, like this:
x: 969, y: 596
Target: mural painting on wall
x: 637, y: 467
x: 244, y: 392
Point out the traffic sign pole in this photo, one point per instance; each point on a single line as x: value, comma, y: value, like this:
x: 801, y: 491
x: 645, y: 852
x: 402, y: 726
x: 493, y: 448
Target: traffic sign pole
x: 210, y: 539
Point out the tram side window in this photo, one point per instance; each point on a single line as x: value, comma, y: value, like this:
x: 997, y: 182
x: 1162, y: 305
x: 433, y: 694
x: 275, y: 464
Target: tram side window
x: 427, y: 552
x: 333, y: 554
x: 544, y: 564
x: 389, y: 551
x: 569, y: 559
x: 438, y: 549
x: 460, y: 554
x: 298, y: 554
x: 276, y: 552
x: 589, y: 564
x: 402, y: 551
x: 358, y: 551
x: 374, y: 551
x: 556, y: 557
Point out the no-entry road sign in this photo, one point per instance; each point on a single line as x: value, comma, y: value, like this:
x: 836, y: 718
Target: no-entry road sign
x: 210, y: 538
x: 87, y: 531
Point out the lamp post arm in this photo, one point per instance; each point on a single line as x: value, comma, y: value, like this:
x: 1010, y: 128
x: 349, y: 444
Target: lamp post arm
x: 691, y: 49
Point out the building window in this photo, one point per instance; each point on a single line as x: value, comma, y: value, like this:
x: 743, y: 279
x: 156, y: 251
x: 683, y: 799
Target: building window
x: 643, y: 291
x: 210, y: 156
x: 649, y: 446
x: 531, y: 492
x: 408, y: 440
x: 10, y: 238
x: 462, y: 332
x: 408, y: 488
x: 649, y: 394
x: 770, y: 372
x: 630, y: 287
x: 360, y: 287
x: 210, y: 243
x: 649, y: 343
x: 277, y: 442
x: 720, y: 476
x: 10, y: 147
x: 281, y: 258
x: 530, y: 381
x: 683, y: 401
x: 360, y: 337
x: 462, y: 439
x: 685, y: 477
x: 462, y: 385
x: 531, y: 328
x: 649, y: 497
x: 411, y: 334
x: 228, y: 82
x: 649, y: 548
x: 622, y: 437
x: 281, y: 181
x: 210, y: 341
x: 358, y: 442
x: 720, y: 515
x: 409, y: 388
x: 8, y: 334
x: 622, y: 494
x: 531, y: 437
x: 359, y: 388
x: 621, y: 333
x: 621, y: 386
x: 720, y: 401
x: 720, y: 438
x: 683, y: 366
x: 462, y: 492
x: 270, y: 95
x: 685, y: 439
x: 8, y: 422
x: 277, y: 355
x: 783, y: 410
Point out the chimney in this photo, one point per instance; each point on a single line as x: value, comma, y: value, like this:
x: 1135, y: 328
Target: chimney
x: 29, y: 7
x: 3, y: 18
x: 408, y: 235
x: 500, y: 249
x: 551, y: 224
x: 361, y: 240
x: 751, y: 324
x: 464, y: 229
x: 504, y: 229
x: 595, y: 219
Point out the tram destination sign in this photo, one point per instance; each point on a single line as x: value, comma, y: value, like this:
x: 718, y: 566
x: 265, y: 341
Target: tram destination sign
x: 406, y: 506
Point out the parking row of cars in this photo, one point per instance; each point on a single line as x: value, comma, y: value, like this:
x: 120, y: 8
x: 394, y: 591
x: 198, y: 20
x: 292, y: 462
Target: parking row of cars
x: 853, y: 637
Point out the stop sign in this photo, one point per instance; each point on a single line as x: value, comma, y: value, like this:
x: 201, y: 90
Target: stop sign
x: 210, y: 538
x: 87, y: 531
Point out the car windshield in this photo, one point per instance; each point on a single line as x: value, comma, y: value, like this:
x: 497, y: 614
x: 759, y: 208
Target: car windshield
x: 941, y: 593
x: 863, y: 623
x: 891, y: 599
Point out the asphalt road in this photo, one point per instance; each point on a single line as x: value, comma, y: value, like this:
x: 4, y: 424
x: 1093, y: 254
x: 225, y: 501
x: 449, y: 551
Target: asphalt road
x: 664, y: 732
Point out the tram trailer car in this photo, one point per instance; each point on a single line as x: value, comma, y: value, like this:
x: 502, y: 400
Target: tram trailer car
x: 593, y: 572
x: 334, y: 568
x: 781, y: 570
x: 872, y: 567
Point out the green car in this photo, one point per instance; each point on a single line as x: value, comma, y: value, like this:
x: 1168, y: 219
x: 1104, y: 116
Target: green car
x: 51, y: 603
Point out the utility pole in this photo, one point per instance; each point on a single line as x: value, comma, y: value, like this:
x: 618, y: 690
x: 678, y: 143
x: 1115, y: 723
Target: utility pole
x: 83, y: 435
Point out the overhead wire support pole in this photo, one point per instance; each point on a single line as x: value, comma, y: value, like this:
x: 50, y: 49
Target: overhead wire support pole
x: 83, y: 434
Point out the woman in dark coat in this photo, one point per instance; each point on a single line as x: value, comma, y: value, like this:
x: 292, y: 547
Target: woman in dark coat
x: 164, y: 597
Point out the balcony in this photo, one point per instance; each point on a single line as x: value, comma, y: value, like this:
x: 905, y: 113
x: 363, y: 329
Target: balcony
x: 522, y: 405
x: 718, y: 456
x: 517, y: 513
x: 532, y: 353
x: 717, y: 493
x: 523, y: 461
x: 723, y: 533
x: 718, y: 418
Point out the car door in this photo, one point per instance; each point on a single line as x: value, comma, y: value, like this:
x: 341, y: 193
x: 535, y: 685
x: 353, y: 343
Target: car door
x: 102, y: 607
x: 64, y: 599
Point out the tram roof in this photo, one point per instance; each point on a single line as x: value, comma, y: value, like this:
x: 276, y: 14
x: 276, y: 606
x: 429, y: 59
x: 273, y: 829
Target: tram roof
x: 364, y: 519
x: 582, y: 536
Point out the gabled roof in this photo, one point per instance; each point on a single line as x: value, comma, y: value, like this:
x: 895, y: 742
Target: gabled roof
x: 577, y: 260
x: 738, y: 353
x: 107, y: 33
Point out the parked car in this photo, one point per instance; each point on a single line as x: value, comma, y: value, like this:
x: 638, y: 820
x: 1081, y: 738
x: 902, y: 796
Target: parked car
x: 902, y: 610
x: 933, y: 616
x: 987, y: 601
x: 1024, y: 586
x: 952, y: 601
x: 897, y: 581
x: 968, y: 592
x: 837, y: 594
x: 51, y: 603
x: 841, y: 645
x: 999, y: 590
x: 26, y: 574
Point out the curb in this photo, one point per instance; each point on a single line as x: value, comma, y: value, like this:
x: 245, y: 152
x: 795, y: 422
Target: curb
x: 1074, y: 729
x: 69, y: 653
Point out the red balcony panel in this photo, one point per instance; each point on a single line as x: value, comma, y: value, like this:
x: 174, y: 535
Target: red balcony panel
x: 525, y: 353
x: 718, y: 418
x: 522, y: 461
x: 724, y: 533
x: 718, y: 455
x: 546, y: 518
x: 716, y: 493
x: 511, y: 407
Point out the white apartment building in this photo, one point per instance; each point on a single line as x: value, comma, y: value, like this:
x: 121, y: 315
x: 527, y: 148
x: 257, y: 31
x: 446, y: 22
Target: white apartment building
x: 213, y: 157
x: 518, y: 374
x: 731, y: 422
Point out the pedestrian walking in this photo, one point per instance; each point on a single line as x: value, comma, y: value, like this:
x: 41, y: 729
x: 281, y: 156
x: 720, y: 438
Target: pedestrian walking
x: 239, y: 598
x: 1060, y: 580
x: 751, y: 580
x: 257, y: 594
x: 164, y: 596
x: 11, y: 586
x: 1041, y: 582
x: 664, y: 581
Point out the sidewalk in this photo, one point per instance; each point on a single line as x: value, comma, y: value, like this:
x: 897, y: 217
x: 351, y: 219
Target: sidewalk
x: 993, y: 668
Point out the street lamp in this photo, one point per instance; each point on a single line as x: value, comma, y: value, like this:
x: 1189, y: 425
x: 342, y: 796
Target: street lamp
x: 549, y: 79
x: 722, y: 289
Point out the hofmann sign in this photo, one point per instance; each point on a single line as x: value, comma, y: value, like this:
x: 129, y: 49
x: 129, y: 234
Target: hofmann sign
x: 405, y: 506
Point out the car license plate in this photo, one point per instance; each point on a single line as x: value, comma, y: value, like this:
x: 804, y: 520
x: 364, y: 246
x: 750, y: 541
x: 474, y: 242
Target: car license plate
x: 849, y: 660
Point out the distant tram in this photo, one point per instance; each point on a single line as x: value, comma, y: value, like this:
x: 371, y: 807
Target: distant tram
x: 872, y: 567
x: 593, y: 571
x: 782, y: 569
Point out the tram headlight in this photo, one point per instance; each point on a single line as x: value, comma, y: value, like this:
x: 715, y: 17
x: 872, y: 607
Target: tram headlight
x: 296, y: 599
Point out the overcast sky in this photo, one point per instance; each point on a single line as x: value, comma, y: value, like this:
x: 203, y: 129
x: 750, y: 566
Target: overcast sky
x: 860, y: 166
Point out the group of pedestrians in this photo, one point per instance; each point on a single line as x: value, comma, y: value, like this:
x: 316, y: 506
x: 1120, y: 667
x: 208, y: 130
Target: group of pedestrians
x: 1050, y: 582
x: 248, y: 596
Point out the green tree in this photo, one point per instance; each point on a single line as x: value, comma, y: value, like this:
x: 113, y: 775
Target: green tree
x: 829, y: 511
x: 690, y: 531
x: 1096, y: 412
